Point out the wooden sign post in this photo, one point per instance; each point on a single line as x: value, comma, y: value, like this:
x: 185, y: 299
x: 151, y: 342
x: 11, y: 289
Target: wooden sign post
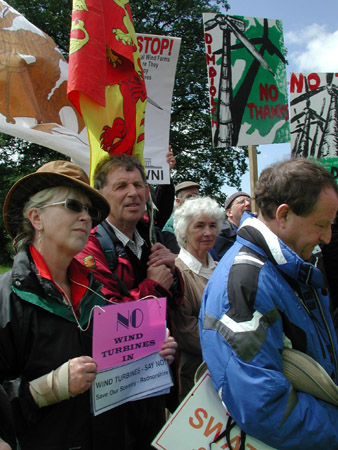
x: 253, y: 174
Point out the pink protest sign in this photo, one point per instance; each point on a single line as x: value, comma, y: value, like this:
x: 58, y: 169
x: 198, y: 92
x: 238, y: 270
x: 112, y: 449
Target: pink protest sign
x: 128, y: 331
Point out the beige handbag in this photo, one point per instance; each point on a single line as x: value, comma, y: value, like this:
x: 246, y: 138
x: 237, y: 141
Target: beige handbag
x: 307, y: 375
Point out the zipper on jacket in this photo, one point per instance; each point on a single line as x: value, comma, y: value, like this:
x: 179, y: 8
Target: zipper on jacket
x: 328, y: 332
x: 313, y: 319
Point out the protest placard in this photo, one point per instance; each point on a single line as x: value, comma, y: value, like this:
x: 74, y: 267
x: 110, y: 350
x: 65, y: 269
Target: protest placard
x: 313, y: 113
x: 247, y: 80
x: 159, y: 55
x: 126, y: 340
x: 127, y: 331
x: 145, y: 377
x: 199, y: 421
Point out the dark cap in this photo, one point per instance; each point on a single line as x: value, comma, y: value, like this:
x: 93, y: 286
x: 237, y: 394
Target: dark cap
x: 186, y: 185
x: 232, y: 197
x: 51, y: 174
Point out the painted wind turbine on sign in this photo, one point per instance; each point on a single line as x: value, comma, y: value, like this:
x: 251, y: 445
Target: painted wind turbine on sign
x: 229, y: 24
x: 314, y: 115
x: 247, y: 84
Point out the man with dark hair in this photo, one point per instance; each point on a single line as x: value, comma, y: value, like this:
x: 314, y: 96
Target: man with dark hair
x: 130, y: 267
x: 264, y: 302
x: 234, y: 206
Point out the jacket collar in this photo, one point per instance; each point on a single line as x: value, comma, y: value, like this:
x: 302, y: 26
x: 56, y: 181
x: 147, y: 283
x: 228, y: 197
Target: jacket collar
x: 29, y: 286
x: 260, y: 238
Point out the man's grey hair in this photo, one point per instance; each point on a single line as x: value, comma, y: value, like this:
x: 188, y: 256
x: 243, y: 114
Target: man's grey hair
x: 129, y: 163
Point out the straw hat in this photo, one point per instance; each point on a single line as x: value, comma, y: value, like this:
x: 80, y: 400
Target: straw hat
x: 200, y: 371
x: 51, y: 174
x: 308, y: 376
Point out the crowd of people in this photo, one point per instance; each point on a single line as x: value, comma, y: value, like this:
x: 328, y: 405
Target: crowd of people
x: 241, y: 287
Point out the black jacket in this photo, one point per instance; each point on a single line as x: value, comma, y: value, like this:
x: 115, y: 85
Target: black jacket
x: 225, y: 239
x: 7, y: 431
x: 38, y: 333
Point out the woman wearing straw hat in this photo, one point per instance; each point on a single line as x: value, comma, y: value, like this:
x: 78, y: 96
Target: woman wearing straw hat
x: 46, y: 304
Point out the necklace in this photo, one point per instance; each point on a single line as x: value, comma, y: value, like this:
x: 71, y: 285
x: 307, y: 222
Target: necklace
x: 70, y: 304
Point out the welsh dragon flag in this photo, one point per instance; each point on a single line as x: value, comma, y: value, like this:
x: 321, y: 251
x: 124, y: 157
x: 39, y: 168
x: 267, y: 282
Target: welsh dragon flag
x: 105, y: 81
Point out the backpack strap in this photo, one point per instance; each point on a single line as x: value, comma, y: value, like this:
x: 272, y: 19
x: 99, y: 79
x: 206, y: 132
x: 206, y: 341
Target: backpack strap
x: 106, y: 239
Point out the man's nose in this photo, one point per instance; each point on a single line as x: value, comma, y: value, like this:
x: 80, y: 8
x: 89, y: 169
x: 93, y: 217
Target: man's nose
x: 132, y: 191
x: 326, y: 235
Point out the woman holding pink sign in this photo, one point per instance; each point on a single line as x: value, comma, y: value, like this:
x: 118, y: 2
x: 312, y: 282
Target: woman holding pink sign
x: 47, y: 301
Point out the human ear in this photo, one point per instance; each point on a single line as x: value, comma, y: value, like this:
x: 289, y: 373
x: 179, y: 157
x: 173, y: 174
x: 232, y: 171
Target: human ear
x: 283, y: 214
x: 147, y: 191
x: 34, y: 216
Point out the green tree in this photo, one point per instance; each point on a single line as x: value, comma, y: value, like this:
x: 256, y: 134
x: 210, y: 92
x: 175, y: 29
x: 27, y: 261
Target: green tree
x: 190, y: 135
x: 52, y: 17
x: 18, y: 158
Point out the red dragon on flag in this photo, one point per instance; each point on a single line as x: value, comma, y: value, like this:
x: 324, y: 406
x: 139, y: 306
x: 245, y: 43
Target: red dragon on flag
x: 106, y: 82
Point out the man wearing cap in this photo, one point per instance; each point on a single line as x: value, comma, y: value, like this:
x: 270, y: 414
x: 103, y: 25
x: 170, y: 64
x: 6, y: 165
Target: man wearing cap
x: 183, y: 191
x: 264, y: 302
x: 234, y: 206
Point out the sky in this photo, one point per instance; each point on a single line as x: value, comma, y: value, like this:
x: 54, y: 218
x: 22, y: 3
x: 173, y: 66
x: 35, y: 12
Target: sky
x: 311, y: 38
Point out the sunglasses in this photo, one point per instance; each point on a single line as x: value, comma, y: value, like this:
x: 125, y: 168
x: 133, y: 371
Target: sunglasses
x: 76, y: 206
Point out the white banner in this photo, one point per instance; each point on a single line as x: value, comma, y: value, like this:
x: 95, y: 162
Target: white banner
x: 159, y: 55
x: 33, y: 82
x: 146, y: 377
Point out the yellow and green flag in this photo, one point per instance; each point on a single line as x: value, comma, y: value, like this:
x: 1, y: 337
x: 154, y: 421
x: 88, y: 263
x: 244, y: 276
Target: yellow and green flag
x: 106, y: 82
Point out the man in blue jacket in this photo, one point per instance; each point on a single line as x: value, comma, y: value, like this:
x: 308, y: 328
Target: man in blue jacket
x: 262, y: 297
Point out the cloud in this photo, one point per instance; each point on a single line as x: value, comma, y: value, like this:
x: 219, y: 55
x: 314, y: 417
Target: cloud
x: 312, y: 49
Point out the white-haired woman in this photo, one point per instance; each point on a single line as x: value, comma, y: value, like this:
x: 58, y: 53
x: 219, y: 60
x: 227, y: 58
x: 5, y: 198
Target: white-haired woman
x: 196, y: 224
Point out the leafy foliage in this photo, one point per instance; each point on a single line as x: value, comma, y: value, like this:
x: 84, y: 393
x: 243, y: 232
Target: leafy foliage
x: 18, y: 158
x: 190, y: 135
x: 52, y: 17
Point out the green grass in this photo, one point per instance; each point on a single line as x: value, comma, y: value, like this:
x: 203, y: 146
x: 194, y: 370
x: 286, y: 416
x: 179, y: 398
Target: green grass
x: 4, y: 269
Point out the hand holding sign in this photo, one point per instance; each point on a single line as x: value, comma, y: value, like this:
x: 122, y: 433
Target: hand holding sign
x: 82, y: 372
x: 168, y: 350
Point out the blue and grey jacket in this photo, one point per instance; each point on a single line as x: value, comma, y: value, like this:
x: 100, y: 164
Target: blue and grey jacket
x: 261, y: 298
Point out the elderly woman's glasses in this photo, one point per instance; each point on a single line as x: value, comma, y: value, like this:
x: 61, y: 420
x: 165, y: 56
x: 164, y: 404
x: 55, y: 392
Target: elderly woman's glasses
x: 76, y: 206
